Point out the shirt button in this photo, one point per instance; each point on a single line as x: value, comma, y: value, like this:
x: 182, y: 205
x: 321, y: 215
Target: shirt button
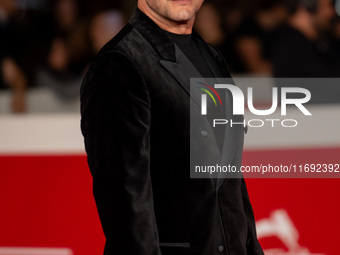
x: 204, y: 133
x: 220, y: 248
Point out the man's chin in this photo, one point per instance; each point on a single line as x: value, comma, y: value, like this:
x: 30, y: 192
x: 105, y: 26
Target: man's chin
x: 182, y: 15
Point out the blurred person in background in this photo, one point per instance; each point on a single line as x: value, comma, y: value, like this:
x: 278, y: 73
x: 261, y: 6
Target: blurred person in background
x: 233, y: 16
x: 302, y: 48
x: 11, y: 74
x: 104, y: 26
x: 255, y: 35
x: 69, y: 51
x: 336, y: 35
x: 209, y: 24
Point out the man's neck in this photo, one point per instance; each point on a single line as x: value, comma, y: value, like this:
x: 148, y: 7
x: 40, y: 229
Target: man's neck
x: 171, y: 26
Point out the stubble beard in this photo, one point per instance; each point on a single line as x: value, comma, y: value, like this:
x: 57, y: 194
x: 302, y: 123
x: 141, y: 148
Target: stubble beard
x: 179, y: 17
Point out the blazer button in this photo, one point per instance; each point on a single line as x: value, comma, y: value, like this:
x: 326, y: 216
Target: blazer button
x: 220, y: 248
x: 204, y: 133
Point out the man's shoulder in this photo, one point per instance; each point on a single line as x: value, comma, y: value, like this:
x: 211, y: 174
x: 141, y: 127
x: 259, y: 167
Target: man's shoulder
x: 112, y: 62
x: 119, y: 52
x: 115, y: 41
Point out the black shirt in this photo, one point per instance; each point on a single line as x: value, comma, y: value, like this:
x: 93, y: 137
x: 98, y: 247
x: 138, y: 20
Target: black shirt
x: 187, y: 44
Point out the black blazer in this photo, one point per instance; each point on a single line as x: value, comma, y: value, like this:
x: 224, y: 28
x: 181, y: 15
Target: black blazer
x: 135, y: 106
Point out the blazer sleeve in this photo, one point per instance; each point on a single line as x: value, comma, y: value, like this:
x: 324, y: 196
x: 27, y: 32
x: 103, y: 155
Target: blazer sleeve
x: 116, y: 119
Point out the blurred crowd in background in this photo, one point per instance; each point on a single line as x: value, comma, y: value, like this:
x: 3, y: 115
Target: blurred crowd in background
x: 50, y: 43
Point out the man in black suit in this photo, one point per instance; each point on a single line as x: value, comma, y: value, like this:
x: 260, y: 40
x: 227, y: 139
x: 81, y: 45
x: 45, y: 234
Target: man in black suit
x: 135, y: 105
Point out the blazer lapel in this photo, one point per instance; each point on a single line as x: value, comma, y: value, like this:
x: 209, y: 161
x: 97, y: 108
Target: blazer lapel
x: 172, y: 58
x: 182, y: 70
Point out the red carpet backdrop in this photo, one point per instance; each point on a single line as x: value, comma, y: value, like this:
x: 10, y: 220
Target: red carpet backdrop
x: 47, y: 207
